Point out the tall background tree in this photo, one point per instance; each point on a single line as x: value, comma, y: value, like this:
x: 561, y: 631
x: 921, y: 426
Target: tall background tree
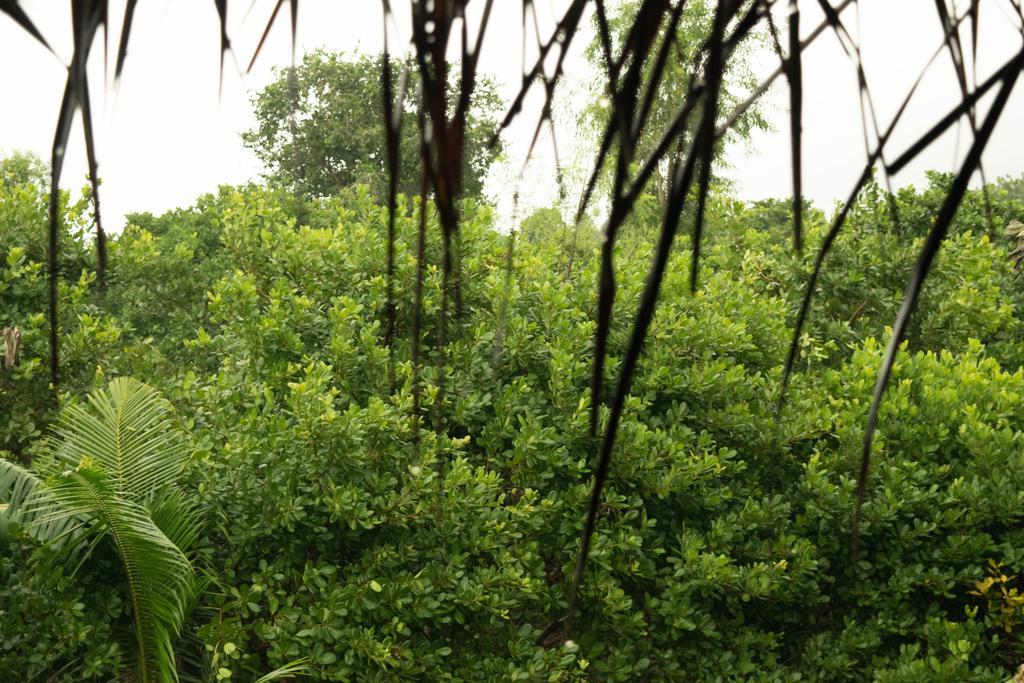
x: 669, y: 76
x: 319, y: 128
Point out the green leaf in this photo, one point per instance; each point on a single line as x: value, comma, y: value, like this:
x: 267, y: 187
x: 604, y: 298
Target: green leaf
x: 111, y: 467
x: 128, y: 430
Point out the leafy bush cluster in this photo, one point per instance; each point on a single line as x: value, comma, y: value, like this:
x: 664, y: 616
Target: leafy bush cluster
x: 338, y: 528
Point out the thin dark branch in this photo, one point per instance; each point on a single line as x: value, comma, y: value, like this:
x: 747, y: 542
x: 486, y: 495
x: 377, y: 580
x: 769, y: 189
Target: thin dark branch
x: 931, y: 247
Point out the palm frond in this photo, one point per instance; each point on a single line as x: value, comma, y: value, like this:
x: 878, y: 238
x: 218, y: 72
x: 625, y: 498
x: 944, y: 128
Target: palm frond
x: 294, y: 4
x: 393, y: 119
x: 111, y: 468
x: 288, y: 671
x: 21, y: 490
x: 12, y: 8
x: 17, y: 485
x: 796, y: 98
x: 225, y: 42
x: 177, y: 516
x: 160, y: 577
x: 127, y: 431
x: 126, y: 29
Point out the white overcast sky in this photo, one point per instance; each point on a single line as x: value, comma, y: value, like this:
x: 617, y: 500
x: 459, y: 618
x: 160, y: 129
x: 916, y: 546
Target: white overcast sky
x: 164, y: 136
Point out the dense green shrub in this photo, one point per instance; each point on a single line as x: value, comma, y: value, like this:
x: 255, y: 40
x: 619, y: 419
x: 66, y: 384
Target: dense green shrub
x: 970, y: 293
x: 90, y: 333
x: 725, y: 548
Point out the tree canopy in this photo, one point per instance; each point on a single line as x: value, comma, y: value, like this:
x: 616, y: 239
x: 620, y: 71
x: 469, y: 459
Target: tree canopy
x: 669, y: 79
x: 23, y: 168
x: 319, y: 128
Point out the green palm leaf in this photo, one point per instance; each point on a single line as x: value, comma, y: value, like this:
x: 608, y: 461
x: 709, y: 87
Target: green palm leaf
x: 289, y: 670
x: 19, y: 487
x: 111, y: 468
x: 127, y: 431
x: 160, y: 576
